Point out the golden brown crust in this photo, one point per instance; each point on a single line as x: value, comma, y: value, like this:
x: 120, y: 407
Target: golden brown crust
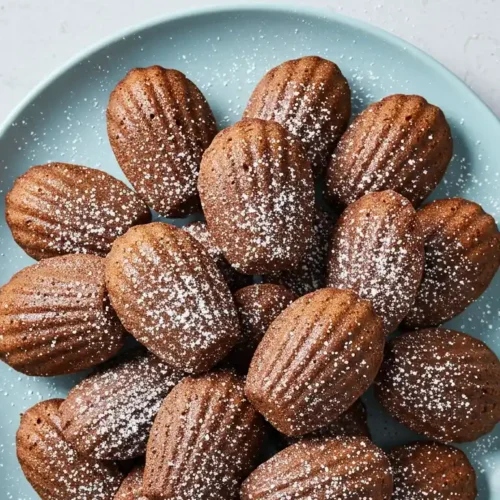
x: 315, y: 360
x: 131, y: 487
x: 56, y: 318
x: 171, y: 297
x: 159, y: 124
x: 58, y: 208
x: 257, y: 192
x: 204, y: 441
x: 311, y: 98
x: 377, y: 250
x: 442, y: 384
x: 462, y: 255
x: 110, y: 413
x: 336, y: 468
x: 432, y: 471
x: 401, y: 143
x: 257, y: 306
x: 199, y: 231
x: 53, y: 467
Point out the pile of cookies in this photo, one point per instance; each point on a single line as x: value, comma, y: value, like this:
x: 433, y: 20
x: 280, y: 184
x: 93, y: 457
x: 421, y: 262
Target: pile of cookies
x: 267, y: 322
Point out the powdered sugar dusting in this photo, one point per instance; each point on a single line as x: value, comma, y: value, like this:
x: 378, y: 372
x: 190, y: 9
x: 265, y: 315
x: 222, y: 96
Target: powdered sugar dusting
x: 159, y: 124
x: 441, y: 383
x: 257, y: 194
x: 204, y: 441
x: 109, y: 415
x: 53, y: 466
x: 432, y: 470
x: 181, y: 309
x: 377, y: 250
x: 59, y: 208
x: 311, y: 273
x: 333, y: 468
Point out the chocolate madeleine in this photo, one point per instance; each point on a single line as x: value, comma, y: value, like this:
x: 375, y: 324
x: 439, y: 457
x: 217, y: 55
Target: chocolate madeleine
x: 432, y: 471
x: 204, y: 441
x: 58, y: 208
x: 462, y: 255
x: 53, y: 467
x: 401, y: 143
x: 377, y: 250
x: 257, y: 192
x: 170, y: 296
x: 159, y: 124
x: 442, y: 384
x: 311, y: 98
x: 336, y: 468
x: 56, y: 318
x: 315, y: 360
x: 110, y: 413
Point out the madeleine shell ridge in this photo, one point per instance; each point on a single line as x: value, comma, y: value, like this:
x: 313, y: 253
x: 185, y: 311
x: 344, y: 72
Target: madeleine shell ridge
x: 442, y: 384
x: 257, y: 193
x: 204, y: 441
x: 432, y: 471
x: 315, y: 361
x: 311, y: 98
x: 401, y: 143
x: 462, y: 255
x: 53, y: 467
x: 59, y: 208
x: 159, y: 124
x: 171, y: 297
x: 56, y: 317
x: 377, y: 250
x: 335, y: 468
x: 110, y: 413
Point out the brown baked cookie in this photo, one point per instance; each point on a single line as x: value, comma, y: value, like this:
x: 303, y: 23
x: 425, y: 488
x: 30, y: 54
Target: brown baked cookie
x: 159, y: 124
x: 110, y: 413
x: 442, y: 384
x: 401, y: 143
x: 58, y: 208
x: 171, y: 297
x: 257, y: 192
x: 258, y: 306
x: 53, y: 467
x: 204, y: 441
x: 431, y: 471
x: 462, y: 255
x: 131, y: 488
x: 315, y: 361
x: 311, y: 273
x: 311, y: 98
x: 320, y: 469
x: 56, y: 318
x: 377, y: 250
x: 199, y: 231
x: 353, y: 422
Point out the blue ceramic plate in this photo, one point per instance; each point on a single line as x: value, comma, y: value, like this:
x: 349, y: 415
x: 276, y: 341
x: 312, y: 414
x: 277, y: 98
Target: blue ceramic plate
x: 226, y: 51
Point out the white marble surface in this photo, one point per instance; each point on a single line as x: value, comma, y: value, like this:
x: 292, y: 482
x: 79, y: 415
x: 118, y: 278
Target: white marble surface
x: 37, y: 36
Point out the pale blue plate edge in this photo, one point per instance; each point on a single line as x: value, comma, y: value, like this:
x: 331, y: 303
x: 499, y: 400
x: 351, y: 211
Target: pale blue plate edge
x: 237, y: 9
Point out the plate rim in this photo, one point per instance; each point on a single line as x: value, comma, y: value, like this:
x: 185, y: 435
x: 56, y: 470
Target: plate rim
x: 234, y: 8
